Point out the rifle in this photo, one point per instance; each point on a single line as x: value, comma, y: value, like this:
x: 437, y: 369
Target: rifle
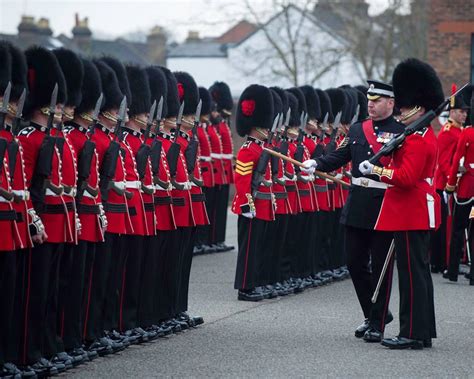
x: 173, y: 152
x: 86, y: 154
x: 192, y: 149
x: 419, y: 124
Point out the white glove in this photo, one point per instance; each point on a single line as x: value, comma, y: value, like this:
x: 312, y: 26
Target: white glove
x: 249, y: 214
x: 309, y: 166
x: 78, y: 224
x: 366, y: 167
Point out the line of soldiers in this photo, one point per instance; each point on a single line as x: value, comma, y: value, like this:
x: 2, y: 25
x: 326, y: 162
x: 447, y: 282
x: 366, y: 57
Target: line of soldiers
x: 103, y: 189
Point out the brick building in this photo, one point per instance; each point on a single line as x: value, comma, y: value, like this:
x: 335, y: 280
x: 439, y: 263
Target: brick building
x: 451, y: 40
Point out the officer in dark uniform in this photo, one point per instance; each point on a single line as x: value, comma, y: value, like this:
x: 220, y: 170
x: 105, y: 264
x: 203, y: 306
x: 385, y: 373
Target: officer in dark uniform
x: 359, y: 215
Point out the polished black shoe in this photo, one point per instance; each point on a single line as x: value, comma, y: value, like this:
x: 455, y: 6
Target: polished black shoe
x: 222, y: 247
x: 101, y: 349
x: 43, y: 368
x: 468, y: 275
x: 78, y: 355
x: 400, y: 343
x: 361, y: 329
x: 250, y: 295
x: 120, y: 338
x: 272, y: 292
x: 10, y: 371
x: 25, y: 371
x: 428, y: 343
x: 209, y: 249
x: 115, y: 345
x: 192, y: 321
x: 197, y: 250
x: 450, y: 277
x: 372, y: 335
x: 64, y: 359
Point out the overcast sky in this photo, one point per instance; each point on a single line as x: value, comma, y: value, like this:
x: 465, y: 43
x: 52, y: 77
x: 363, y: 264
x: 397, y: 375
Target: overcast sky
x: 113, y: 18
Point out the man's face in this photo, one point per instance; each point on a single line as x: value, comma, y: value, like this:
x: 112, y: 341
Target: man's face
x: 380, y: 108
x: 458, y: 115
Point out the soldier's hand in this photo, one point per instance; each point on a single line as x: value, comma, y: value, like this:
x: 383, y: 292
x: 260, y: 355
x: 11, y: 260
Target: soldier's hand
x: 39, y: 238
x: 309, y: 166
x: 249, y: 214
x: 366, y: 167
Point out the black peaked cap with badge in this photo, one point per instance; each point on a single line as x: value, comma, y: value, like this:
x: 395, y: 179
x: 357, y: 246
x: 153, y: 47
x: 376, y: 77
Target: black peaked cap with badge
x: 379, y: 89
x: 254, y: 109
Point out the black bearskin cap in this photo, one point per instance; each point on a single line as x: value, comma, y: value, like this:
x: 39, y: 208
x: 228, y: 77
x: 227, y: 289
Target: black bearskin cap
x: 354, y: 101
x: 205, y: 97
x: 338, y: 99
x: 255, y: 109
x: 283, y: 97
x: 348, y: 105
x: 362, y: 102
x: 416, y: 83
x: 295, y: 114
x: 43, y: 74
x: 220, y: 93
x: 19, y: 72
x: 325, y: 103
x: 277, y: 103
x: 172, y: 100
x: 140, y: 90
x: 158, y: 87
x: 121, y: 75
x: 5, y: 67
x: 91, y: 87
x: 73, y: 71
x: 113, y: 96
x: 301, y: 100
x: 362, y: 89
x: 312, y: 102
x: 187, y: 92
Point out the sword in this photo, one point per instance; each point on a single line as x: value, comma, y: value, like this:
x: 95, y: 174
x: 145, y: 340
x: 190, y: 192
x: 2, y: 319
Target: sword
x: 384, y: 270
x: 5, y: 102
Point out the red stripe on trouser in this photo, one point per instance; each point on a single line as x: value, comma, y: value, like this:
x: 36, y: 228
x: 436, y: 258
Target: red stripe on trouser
x: 121, y: 300
x: 84, y: 332
x: 411, y: 284
x: 247, y: 254
x: 27, y: 305
x: 387, y: 295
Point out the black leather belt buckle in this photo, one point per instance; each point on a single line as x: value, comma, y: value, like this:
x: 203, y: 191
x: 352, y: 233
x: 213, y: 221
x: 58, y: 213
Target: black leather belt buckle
x: 178, y: 201
x: 198, y: 197
x: 9, y: 215
x: 304, y: 192
x: 149, y: 207
x: 115, y: 208
x: 89, y: 209
x: 165, y: 200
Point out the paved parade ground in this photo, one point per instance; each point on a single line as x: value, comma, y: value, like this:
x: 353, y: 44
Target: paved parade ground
x: 305, y: 335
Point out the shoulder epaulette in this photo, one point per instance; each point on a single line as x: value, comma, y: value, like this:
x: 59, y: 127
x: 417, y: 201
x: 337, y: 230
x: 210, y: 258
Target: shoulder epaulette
x: 246, y: 144
x: 422, y: 132
x: 26, y: 131
x: 68, y: 129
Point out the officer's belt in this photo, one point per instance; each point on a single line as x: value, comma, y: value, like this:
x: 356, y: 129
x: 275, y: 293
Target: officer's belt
x: 263, y: 195
x: 368, y: 183
x: 280, y: 195
x: 198, y: 197
x: 58, y: 208
x: 304, y: 192
x: 178, y: 201
x: 149, y: 207
x: 115, y: 208
x: 88, y: 209
x: 290, y: 187
x: 8, y: 215
x: 320, y: 188
x: 165, y: 200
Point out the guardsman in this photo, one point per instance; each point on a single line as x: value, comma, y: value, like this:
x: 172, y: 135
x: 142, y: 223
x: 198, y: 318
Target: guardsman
x: 89, y: 207
x: 447, y: 141
x: 461, y: 184
x: 411, y: 207
x: 253, y: 201
x: 220, y: 93
x: 366, y: 249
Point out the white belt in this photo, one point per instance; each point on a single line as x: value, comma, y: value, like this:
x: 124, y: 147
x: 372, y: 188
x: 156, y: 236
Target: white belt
x: 87, y: 194
x: 151, y: 187
x: 24, y: 194
x: 217, y: 156
x: 289, y: 179
x: 51, y: 193
x: 368, y: 183
x: 3, y: 200
x: 430, y: 202
x: 120, y: 185
x: 429, y: 181
x: 72, y: 193
x: 186, y: 185
x: 471, y: 165
x: 227, y: 156
x: 136, y: 184
x: 205, y: 159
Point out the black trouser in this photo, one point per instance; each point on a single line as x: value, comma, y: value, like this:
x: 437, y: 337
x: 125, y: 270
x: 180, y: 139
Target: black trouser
x: 273, y: 249
x: 203, y: 233
x: 148, y: 278
x: 251, y: 239
x: 417, y: 314
x: 71, y: 287
x: 41, y: 286
x: 305, y: 247
x: 7, y: 296
x: 222, y: 202
x: 186, y: 259
x: 289, y: 246
x: 366, y: 253
x: 461, y: 222
x: 315, y: 234
x: 326, y: 219
x: 335, y: 239
x: 438, y: 238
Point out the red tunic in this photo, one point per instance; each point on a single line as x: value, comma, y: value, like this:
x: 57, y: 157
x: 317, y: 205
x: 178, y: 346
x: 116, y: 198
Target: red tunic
x: 411, y: 202
x: 464, y: 148
x: 205, y: 156
x: 290, y: 186
x: 91, y: 230
x: 447, y: 141
x: 216, y: 155
x: 227, y: 151
x: 247, y: 159
x: 305, y: 189
x: 281, y: 196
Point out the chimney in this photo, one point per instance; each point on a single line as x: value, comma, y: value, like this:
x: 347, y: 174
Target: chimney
x: 156, y: 42
x: 27, y: 26
x: 81, y: 34
x: 193, y: 36
x: 43, y: 27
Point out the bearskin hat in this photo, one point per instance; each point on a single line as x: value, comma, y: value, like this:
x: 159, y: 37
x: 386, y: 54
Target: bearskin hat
x: 312, y: 102
x: 43, y: 74
x: 362, y: 89
x: 348, y: 105
x: 352, y: 92
x: 205, y: 97
x: 325, y: 103
x: 121, y: 75
x: 254, y: 109
x: 293, y: 105
x: 113, y: 96
x: 73, y: 71
x: 277, y: 103
x: 19, y: 72
x: 416, y: 83
x: 91, y: 87
x: 302, y: 107
x: 220, y: 93
x: 362, y: 102
x: 158, y: 86
x: 338, y: 100
x: 140, y: 90
x: 283, y: 97
x: 187, y: 92
x: 5, y: 67
x: 172, y: 100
